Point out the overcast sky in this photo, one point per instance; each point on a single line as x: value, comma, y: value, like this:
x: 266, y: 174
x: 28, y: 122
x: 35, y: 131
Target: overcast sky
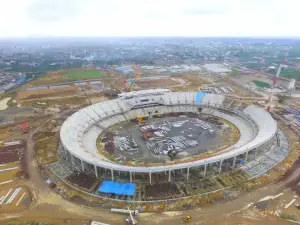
x: 20, y: 18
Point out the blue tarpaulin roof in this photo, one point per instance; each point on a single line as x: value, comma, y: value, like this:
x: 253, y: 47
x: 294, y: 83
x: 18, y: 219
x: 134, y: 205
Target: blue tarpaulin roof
x: 112, y: 187
x: 20, y: 79
x: 199, y: 96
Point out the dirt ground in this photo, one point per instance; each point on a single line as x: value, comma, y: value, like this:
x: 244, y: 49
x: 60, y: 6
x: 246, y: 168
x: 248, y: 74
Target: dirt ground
x: 244, y: 79
x: 96, y: 99
x: 156, y: 83
x: 8, y: 175
x: 19, y: 203
x: 44, y: 93
x: 194, y: 82
x: 56, y: 102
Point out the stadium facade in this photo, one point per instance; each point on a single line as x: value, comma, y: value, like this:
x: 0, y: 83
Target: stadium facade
x: 80, y: 131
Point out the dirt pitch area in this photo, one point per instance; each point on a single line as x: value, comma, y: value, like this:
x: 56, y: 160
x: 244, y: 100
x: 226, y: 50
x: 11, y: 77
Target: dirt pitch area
x: 47, y: 93
x: 156, y: 82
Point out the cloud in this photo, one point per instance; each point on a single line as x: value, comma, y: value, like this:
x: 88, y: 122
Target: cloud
x: 53, y: 10
x: 149, y: 18
x: 204, y: 11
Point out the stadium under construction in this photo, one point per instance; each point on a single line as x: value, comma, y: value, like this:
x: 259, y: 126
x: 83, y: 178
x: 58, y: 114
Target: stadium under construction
x: 157, y: 144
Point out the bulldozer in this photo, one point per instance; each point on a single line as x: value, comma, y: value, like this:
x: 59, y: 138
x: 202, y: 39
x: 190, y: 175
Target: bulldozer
x: 172, y: 154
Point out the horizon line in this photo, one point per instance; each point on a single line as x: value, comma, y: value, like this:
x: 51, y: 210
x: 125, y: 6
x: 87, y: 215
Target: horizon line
x: 171, y: 36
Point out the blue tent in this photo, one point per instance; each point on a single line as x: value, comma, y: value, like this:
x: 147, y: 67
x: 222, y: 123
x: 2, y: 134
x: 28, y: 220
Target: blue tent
x: 117, y: 188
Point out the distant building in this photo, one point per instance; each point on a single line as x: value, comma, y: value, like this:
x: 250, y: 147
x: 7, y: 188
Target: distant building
x: 216, y: 68
x: 124, y: 70
x: 291, y: 85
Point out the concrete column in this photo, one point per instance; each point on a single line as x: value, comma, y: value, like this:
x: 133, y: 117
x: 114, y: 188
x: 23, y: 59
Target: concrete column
x: 188, y: 173
x: 130, y: 174
x: 62, y: 152
x: 112, y: 174
x: 150, y: 177
x: 256, y: 151
x: 65, y: 153
x: 246, y: 156
x: 82, y: 166
x: 181, y: 171
x: 72, y: 160
x: 170, y: 175
x: 96, y: 171
x: 205, y: 169
x: 119, y: 173
x: 234, y: 161
x: 221, y: 162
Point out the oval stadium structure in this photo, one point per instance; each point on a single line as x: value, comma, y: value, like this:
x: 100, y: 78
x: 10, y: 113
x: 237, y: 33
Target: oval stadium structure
x: 258, y: 134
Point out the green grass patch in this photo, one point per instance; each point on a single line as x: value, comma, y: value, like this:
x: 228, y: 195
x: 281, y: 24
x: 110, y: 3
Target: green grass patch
x: 290, y: 73
x: 261, y: 84
x: 234, y: 73
x: 85, y: 74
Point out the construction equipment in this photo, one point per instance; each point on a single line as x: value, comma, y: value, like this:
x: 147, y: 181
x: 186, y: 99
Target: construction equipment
x: 25, y: 127
x: 98, y: 223
x: 187, y: 218
x: 130, y: 219
x: 281, y: 65
x: 172, y: 154
x: 148, y: 135
x: 132, y: 80
x: 140, y: 119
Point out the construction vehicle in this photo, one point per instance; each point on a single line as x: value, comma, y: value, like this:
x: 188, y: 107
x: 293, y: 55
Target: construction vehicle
x: 133, y: 79
x: 186, y: 218
x: 148, y: 135
x: 172, y: 154
x: 140, y: 119
x: 270, y: 99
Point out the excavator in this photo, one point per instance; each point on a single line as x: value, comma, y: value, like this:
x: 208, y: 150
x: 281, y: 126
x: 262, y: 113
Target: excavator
x: 172, y: 154
x: 186, y: 218
x: 140, y: 119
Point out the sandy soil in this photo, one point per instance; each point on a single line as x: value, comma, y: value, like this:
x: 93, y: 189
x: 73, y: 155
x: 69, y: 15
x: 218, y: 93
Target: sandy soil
x: 44, y: 93
x: 98, y: 99
x: 156, y: 83
x: 3, y: 103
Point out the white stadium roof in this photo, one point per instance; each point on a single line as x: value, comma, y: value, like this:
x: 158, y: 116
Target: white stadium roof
x: 79, y: 132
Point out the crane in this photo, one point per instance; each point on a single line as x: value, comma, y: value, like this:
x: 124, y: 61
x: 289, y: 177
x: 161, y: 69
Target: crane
x: 137, y: 76
x: 131, y: 220
x: 281, y: 65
